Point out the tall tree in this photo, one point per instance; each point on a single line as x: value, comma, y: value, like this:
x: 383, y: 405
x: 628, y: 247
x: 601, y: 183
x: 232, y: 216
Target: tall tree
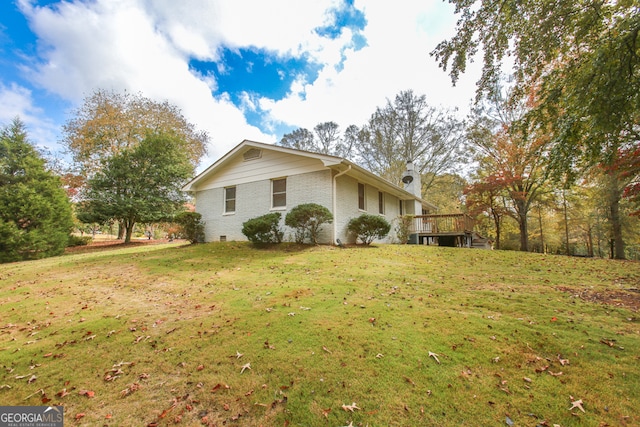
x: 35, y: 214
x: 300, y: 139
x: 325, y: 139
x: 518, y: 155
x: 409, y: 129
x: 108, y: 122
x: 581, y: 57
x: 486, y: 196
x: 138, y: 184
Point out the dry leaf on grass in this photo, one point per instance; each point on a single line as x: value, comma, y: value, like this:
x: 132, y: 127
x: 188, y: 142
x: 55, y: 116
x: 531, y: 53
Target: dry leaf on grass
x: 90, y: 394
x: 576, y: 404
x: 350, y: 408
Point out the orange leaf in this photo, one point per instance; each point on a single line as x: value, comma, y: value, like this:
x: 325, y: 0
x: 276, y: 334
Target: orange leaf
x: 80, y: 415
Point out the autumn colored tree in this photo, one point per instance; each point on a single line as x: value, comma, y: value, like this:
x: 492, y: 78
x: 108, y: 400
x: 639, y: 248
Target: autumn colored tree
x: 140, y: 184
x: 35, y: 214
x: 518, y: 155
x: 109, y: 122
x: 486, y: 196
x: 582, y: 60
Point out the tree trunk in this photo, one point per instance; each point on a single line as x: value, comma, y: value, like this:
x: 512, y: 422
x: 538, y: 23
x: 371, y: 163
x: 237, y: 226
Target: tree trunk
x: 521, y: 217
x: 524, y: 233
x: 541, y: 234
x: 616, y: 226
x: 496, y: 220
x: 614, y: 216
x: 121, y: 230
x: 589, y: 240
x: 566, y: 222
x: 128, y: 227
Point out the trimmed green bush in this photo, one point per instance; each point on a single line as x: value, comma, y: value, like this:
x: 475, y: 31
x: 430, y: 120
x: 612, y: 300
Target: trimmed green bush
x: 263, y: 229
x: 307, y: 221
x: 75, y: 240
x: 367, y: 227
x: 191, y: 225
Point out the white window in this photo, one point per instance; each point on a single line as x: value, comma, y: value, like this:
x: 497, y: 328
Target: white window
x: 279, y: 193
x: 361, y: 204
x: 229, y: 199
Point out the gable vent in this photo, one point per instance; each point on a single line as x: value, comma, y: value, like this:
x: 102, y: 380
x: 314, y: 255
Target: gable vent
x: 252, y: 154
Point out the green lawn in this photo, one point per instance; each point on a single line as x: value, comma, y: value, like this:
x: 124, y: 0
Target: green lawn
x: 225, y: 334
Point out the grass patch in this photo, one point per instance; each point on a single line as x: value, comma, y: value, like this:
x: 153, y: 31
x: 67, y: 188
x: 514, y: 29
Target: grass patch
x: 225, y: 334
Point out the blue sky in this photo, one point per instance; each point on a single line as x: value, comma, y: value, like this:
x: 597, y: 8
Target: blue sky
x: 239, y: 69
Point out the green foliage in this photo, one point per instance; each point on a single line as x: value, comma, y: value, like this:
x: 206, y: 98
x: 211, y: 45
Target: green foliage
x: 263, y: 229
x: 403, y: 228
x: 580, y: 57
x: 368, y: 227
x: 139, y: 184
x: 35, y: 214
x: 75, y: 240
x: 191, y: 225
x: 307, y: 221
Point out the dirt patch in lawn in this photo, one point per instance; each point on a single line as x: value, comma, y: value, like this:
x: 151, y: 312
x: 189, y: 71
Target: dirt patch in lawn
x: 101, y: 245
x: 628, y: 298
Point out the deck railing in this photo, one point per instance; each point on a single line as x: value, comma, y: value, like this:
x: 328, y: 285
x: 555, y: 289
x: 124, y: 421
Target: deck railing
x: 442, y: 224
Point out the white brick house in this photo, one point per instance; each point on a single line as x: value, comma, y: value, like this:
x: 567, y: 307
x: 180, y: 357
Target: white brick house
x: 256, y: 178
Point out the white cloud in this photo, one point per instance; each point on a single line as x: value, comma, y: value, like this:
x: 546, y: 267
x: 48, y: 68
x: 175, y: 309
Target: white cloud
x: 145, y: 46
x: 17, y: 102
x: 115, y: 45
x: 400, y: 35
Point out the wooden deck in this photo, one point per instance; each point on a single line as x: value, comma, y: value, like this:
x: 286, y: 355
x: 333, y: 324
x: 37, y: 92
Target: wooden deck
x: 445, y: 230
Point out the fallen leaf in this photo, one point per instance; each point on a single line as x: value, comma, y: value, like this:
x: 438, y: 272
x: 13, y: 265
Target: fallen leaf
x: 325, y: 412
x: 130, y: 389
x: 577, y: 404
x: 409, y: 380
x: 90, y: 394
x: 32, y: 379
x: 62, y: 393
x: 351, y: 407
x: 219, y: 386
x: 79, y: 416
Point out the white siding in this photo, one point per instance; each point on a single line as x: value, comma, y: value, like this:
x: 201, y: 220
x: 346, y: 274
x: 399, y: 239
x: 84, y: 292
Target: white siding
x: 347, y: 206
x: 272, y: 164
x: 253, y: 199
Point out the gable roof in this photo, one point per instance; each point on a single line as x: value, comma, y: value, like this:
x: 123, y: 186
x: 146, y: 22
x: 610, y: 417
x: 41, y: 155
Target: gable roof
x: 338, y: 164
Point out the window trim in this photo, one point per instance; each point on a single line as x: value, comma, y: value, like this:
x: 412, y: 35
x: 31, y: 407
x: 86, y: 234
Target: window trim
x: 362, y: 198
x: 227, y: 200
x: 381, y: 206
x: 273, y: 194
